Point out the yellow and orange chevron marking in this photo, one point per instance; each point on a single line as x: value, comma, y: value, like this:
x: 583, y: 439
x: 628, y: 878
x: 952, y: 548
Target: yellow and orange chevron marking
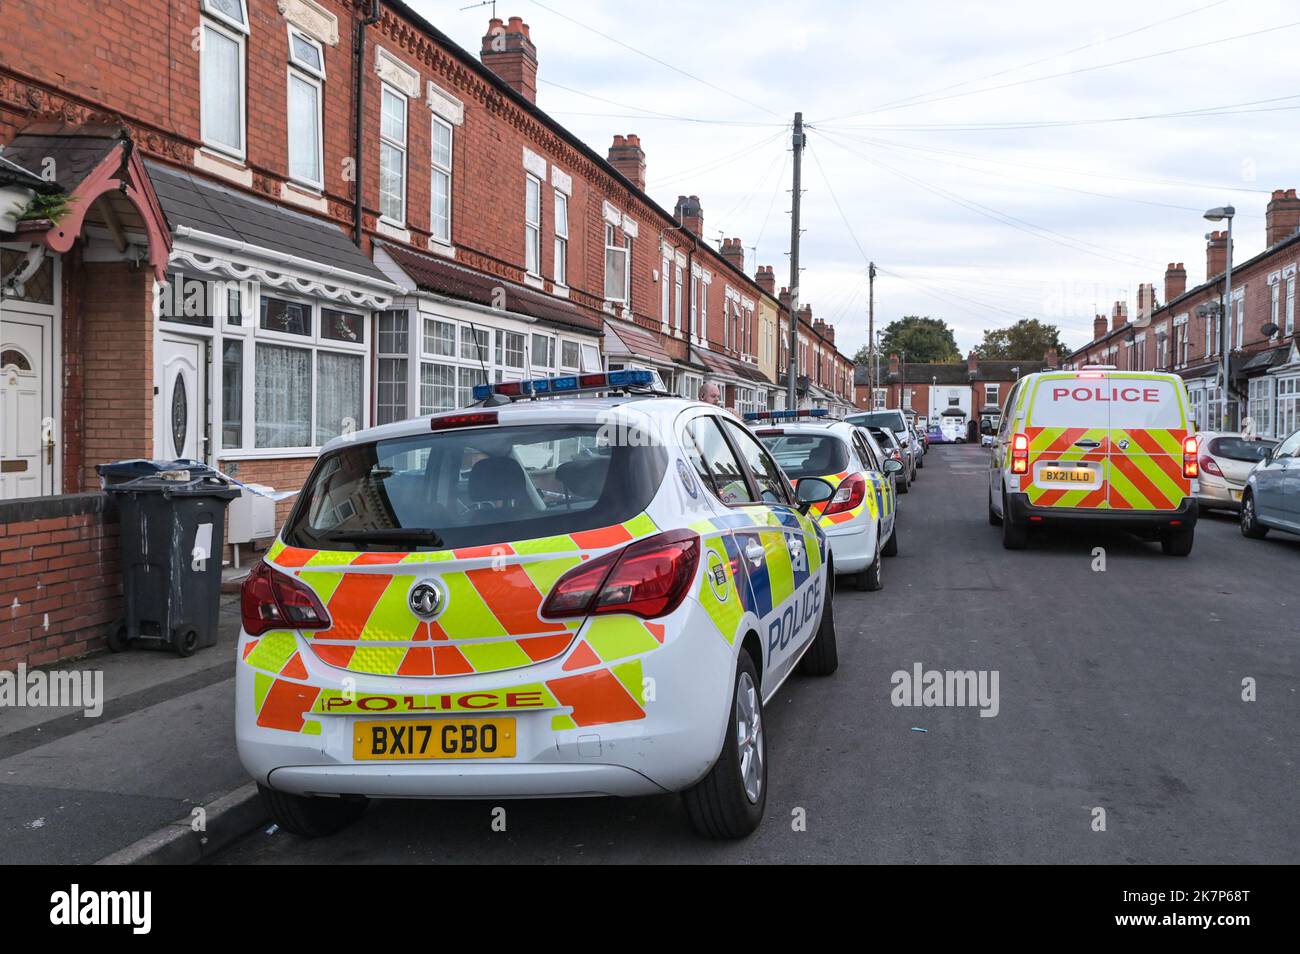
x: 1141, y: 468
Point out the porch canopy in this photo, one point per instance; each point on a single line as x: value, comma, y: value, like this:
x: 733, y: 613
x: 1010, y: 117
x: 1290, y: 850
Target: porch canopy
x: 100, y: 170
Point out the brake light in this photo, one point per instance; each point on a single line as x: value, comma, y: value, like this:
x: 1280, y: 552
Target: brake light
x: 1190, y: 466
x: 271, y: 600
x: 1020, y: 454
x: 648, y: 578
x: 850, y: 493
x: 470, y: 419
x: 1209, y: 465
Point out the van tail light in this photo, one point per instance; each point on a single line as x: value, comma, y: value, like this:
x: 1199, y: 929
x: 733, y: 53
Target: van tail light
x: 271, y: 600
x: 1210, y: 466
x: 850, y: 493
x: 648, y: 578
x: 1190, y: 466
x: 1020, y: 454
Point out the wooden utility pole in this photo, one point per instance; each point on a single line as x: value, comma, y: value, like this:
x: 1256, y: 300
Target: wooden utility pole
x: 871, y: 332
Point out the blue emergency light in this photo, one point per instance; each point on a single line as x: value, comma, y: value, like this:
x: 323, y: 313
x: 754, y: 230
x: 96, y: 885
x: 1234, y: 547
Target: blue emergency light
x: 567, y: 384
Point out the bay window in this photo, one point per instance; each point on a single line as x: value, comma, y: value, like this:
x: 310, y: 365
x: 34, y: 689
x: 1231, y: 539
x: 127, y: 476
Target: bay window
x: 1260, y: 397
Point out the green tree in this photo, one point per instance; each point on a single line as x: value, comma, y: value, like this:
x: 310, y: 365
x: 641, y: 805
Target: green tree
x: 1027, y: 338
x: 920, y: 340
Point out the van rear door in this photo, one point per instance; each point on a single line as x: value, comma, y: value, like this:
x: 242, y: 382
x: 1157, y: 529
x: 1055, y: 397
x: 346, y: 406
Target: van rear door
x: 1148, y: 424
x: 1067, y: 427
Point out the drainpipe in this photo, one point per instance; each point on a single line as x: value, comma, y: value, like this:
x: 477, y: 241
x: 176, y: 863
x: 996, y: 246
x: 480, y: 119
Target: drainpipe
x: 358, y: 72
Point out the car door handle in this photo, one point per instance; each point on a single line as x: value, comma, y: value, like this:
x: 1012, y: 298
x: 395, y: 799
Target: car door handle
x: 1087, y: 443
x: 754, y: 553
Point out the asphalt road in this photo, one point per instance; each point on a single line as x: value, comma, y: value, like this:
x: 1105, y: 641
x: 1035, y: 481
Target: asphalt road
x: 1118, y: 690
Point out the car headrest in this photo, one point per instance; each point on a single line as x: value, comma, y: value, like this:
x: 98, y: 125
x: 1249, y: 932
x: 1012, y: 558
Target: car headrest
x: 584, y: 478
x: 498, y: 478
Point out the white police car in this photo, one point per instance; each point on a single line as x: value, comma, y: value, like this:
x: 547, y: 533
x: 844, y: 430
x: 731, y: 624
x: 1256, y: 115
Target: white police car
x: 842, y: 469
x: 589, y: 596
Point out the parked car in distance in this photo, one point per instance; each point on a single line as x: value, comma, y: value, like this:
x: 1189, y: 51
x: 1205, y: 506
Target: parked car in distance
x: 1271, y: 498
x: 1226, y: 462
x: 934, y: 435
x: 891, y: 448
x: 895, y: 421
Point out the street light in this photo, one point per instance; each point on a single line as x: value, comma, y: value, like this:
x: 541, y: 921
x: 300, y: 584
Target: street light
x: 1218, y: 215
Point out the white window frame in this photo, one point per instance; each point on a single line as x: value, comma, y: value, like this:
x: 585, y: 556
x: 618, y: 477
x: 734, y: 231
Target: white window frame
x: 665, y: 293
x: 222, y: 25
x: 436, y: 168
x: 560, y: 265
x: 627, y: 271
x: 313, y: 76
x: 212, y: 10
x: 615, y: 249
x: 533, y: 230
x: 386, y: 90
x: 1261, y: 400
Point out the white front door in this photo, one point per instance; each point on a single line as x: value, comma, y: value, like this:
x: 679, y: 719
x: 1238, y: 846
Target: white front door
x: 180, y: 408
x: 26, y: 404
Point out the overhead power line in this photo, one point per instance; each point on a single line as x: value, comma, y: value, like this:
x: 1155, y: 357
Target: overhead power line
x: 648, y: 113
x: 654, y: 59
x: 1074, y: 72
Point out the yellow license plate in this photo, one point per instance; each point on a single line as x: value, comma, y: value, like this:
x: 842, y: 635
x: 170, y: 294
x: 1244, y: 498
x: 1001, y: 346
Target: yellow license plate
x: 397, y: 739
x: 1072, y: 475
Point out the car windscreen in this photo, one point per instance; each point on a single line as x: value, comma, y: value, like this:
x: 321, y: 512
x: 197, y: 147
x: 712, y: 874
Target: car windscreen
x: 1239, y: 448
x: 474, y: 487
x: 893, y: 420
x: 808, y: 455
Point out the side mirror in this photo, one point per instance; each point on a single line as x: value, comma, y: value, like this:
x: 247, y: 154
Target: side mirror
x: 812, y: 490
x: 892, y: 466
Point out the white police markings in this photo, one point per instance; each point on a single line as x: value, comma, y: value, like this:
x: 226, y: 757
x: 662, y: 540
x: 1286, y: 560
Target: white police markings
x: 798, y: 613
x: 77, y: 907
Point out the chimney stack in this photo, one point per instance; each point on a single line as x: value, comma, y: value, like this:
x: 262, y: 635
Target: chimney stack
x: 1118, y: 316
x: 627, y: 156
x: 893, y: 363
x: 1051, y: 359
x: 805, y: 315
x: 508, y: 52
x: 689, y: 214
x: 1175, y: 281
x: 1146, y: 303
x: 1216, y: 254
x: 1282, y: 218
x: 784, y: 298
x: 765, y: 279
x: 972, y: 361
x: 733, y: 252
x: 1098, y: 327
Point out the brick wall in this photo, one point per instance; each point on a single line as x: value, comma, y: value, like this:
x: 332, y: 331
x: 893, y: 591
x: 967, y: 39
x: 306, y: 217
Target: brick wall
x: 60, y: 578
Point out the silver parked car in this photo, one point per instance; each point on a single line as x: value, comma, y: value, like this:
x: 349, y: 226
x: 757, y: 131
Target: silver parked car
x: 894, y: 421
x: 1226, y: 460
x: 1271, y: 498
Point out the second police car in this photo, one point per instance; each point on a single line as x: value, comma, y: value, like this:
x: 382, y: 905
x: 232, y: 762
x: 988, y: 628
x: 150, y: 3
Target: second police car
x: 840, y: 467
x: 565, y: 597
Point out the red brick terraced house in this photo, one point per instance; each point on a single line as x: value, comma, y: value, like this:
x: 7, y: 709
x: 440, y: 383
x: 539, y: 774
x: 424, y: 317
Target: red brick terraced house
x: 207, y: 250
x: 1183, y: 335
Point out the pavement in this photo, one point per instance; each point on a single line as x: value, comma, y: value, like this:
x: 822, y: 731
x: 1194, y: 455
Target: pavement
x: 1118, y: 690
x: 74, y: 790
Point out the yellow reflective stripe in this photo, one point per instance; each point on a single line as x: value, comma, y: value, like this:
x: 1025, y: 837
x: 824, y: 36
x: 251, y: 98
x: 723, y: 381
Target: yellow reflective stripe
x: 332, y: 558
x: 727, y: 612
x: 261, y: 686
x: 632, y: 678
x: 276, y: 548
x: 391, y: 618
x: 429, y: 556
x: 780, y: 571
x: 466, y: 615
x: 558, y: 544
x: 617, y: 637
x: 272, y: 651
x: 1122, y: 487
x: 488, y: 657
x: 561, y: 722
x: 323, y: 584
x: 382, y: 660
x: 310, y: 727
x: 640, y: 525
x: 544, y: 573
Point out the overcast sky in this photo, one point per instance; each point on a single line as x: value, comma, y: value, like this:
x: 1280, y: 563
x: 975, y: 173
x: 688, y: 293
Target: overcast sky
x: 1051, y: 222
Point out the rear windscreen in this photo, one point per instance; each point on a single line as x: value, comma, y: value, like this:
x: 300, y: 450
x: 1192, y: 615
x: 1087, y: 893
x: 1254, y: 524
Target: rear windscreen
x: 808, y: 455
x: 474, y: 487
x: 1238, y: 448
x: 893, y: 420
x: 1114, y: 402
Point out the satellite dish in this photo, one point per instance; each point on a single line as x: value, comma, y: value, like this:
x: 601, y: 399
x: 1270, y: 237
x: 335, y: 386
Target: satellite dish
x: 1268, y: 329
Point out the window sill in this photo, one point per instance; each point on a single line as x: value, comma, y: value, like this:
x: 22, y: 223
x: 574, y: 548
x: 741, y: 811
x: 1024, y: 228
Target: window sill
x: 534, y: 281
x: 228, y: 166
x: 393, y: 229
x: 439, y: 247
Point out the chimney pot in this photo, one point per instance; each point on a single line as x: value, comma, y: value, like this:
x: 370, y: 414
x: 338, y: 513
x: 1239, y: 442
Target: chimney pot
x: 509, y: 53
x: 626, y: 155
x: 1175, y: 281
x: 1282, y: 218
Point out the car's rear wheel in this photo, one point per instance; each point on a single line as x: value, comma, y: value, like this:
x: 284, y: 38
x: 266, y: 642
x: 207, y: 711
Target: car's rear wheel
x: 1250, y: 525
x: 823, y: 656
x: 902, y: 485
x: 868, y: 580
x: 311, y: 816
x: 1177, y: 542
x: 1015, y: 534
x: 890, y: 549
x: 729, y: 801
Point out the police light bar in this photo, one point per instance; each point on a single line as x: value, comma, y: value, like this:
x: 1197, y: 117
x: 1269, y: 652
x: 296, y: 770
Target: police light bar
x: 786, y: 415
x: 567, y: 384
